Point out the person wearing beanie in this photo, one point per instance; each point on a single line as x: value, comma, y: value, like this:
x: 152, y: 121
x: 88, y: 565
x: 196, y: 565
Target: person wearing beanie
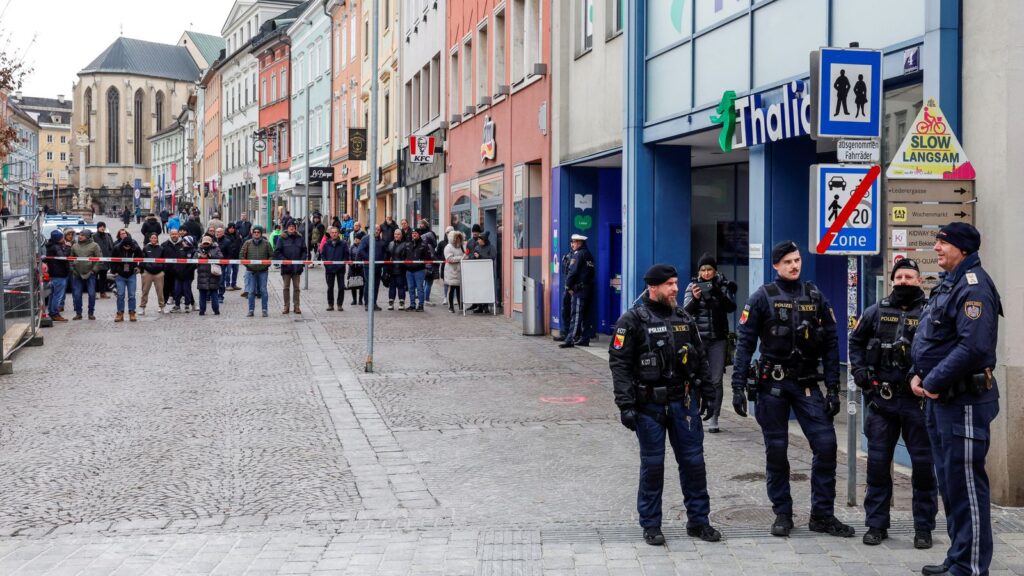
x: 579, y: 284
x: 59, y: 270
x: 953, y: 356
x: 663, y: 387
x: 796, y: 327
x: 256, y: 248
x: 879, y: 360
x: 710, y: 298
x: 208, y: 276
x: 173, y: 247
x: 125, y: 274
x: 83, y: 275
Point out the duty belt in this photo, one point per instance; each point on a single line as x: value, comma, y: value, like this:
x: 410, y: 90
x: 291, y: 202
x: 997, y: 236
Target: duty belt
x: 663, y: 394
x: 975, y: 384
x: 777, y: 371
x: 889, y: 389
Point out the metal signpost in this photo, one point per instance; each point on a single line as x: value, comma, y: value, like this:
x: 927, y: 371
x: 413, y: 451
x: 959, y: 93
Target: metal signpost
x: 846, y: 104
x: 370, y: 283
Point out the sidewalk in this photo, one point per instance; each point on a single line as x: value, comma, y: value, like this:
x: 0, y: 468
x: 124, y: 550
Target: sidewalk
x: 233, y: 445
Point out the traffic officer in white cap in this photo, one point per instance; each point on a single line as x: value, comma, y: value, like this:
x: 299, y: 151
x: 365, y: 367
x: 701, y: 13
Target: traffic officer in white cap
x: 579, y: 284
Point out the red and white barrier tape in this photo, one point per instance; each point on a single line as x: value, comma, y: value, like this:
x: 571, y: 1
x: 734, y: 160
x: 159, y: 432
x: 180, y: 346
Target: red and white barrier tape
x: 227, y: 261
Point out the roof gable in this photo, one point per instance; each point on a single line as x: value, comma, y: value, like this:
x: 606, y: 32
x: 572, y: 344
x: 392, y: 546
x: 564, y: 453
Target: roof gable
x: 142, y: 58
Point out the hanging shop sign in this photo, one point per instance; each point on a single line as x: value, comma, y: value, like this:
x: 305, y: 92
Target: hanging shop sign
x: 931, y: 150
x: 421, y: 149
x: 488, y: 148
x: 747, y: 121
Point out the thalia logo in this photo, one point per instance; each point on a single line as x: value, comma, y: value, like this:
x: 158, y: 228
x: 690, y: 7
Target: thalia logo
x: 757, y: 124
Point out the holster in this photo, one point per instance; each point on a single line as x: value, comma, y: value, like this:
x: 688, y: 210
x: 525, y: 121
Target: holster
x: 975, y: 384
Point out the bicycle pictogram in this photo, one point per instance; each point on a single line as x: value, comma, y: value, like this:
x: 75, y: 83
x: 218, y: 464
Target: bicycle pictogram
x: 931, y: 124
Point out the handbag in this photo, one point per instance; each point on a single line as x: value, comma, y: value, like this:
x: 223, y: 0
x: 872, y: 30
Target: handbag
x: 355, y: 282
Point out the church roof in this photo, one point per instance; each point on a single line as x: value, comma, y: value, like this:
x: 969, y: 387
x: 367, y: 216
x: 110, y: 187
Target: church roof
x: 142, y: 58
x: 209, y: 46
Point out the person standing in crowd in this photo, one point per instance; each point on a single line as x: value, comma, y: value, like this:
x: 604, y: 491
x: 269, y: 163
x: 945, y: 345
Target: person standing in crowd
x: 164, y: 216
x: 193, y: 228
x: 152, y: 273
x: 173, y: 248
x: 453, y: 255
x: 215, y: 222
x: 336, y: 222
x: 230, y: 247
x: 286, y: 220
x: 458, y: 224
x: 662, y: 387
x: 150, y: 225
x: 125, y: 273
x: 174, y: 222
x: 354, y: 277
x: 106, y: 244
x: 244, y: 227
x: 416, y: 251
x: 335, y: 250
x: 406, y: 231
x: 126, y: 216
x: 474, y: 236
x: 257, y: 248
x: 357, y: 231
x: 953, y: 356
x: 430, y: 272
x: 274, y: 235
x: 880, y: 360
x: 388, y: 228
x: 380, y: 246
x: 291, y: 246
x: 797, y: 329
x: 484, y: 250
x: 439, y: 256
x: 579, y: 283
x: 84, y: 273
x: 317, y: 233
x: 186, y: 274
x: 710, y: 298
x: 565, y: 313
x: 138, y: 215
x: 207, y: 279
x: 59, y: 271
x: 5, y: 213
x: 396, y: 283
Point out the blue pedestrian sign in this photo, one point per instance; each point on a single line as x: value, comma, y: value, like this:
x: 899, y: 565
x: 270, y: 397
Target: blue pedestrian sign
x: 846, y: 93
x: 845, y: 208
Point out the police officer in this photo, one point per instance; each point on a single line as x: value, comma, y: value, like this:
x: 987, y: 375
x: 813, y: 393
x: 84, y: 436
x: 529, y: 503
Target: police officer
x: 797, y: 329
x: 579, y: 283
x: 880, y: 360
x: 662, y: 386
x: 565, y: 314
x: 953, y: 354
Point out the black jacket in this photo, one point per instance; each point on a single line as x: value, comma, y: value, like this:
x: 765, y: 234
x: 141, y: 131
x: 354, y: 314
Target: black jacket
x: 579, y: 276
x: 194, y: 229
x: 712, y: 310
x: 394, y: 252
x: 58, y: 268
x: 106, y: 244
x: 230, y: 245
x: 150, y: 226
x: 151, y: 251
x: 126, y: 248
x: 244, y: 228
x: 172, y: 250
x: 290, y: 247
x: 205, y: 279
x: 335, y: 250
x: 416, y: 250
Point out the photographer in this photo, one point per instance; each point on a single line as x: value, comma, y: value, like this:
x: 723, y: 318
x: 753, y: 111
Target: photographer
x: 710, y: 298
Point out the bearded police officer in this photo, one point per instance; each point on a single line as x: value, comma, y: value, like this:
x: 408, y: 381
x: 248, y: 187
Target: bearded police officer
x: 953, y: 354
x: 797, y: 330
x: 663, y: 386
x: 880, y: 360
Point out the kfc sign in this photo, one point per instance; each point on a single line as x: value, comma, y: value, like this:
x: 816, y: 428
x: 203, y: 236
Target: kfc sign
x: 421, y: 149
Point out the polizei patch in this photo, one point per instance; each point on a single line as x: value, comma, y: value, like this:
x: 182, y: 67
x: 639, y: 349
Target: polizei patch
x: 972, y: 309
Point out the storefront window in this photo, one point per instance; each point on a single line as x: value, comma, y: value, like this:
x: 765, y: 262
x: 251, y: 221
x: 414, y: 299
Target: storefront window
x: 667, y: 23
x: 714, y: 76
x: 670, y: 79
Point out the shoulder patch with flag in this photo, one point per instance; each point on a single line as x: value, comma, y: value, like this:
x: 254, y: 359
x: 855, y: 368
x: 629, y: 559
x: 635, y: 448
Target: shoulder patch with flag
x: 745, y: 314
x: 972, y: 309
x: 620, y: 339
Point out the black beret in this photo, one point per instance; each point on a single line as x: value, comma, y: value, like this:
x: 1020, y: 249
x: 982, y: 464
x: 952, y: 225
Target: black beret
x: 904, y: 263
x: 707, y: 260
x: 659, y: 274
x: 962, y: 235
x: 780, y: 250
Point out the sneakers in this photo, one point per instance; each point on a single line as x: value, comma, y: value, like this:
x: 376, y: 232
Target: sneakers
x: 401, y: 304
x: 654, y: 537
x: 264, y: 313
x: 142, y: 310
x: 162, y: 311
x: 922, y: 539
x: 391, y: 304
x: 249, y: 314
x: 119, y: 317
x: 832, y: 526
x: 705, y: 533
x: 330, y: 308
x: 874, y: 536
x: 419, y: 308
x: 131, y: 317
x: 58, y: 318
x: 188, y: 308
x: 783, y: 525
x: 175, y: 309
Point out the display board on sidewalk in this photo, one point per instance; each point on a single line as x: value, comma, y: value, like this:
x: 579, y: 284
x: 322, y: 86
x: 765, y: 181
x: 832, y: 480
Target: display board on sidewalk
x: 478, y: 282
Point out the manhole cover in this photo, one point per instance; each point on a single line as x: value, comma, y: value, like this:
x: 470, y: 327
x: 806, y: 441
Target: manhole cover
x: 751, y: 517
x: 759, y: 477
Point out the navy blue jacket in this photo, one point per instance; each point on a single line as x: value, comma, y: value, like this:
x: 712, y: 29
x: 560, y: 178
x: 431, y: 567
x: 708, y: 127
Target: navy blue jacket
x: 758, y: 311
x: 335, y: 250
x: 958, y: 331
x: 290, y: 247
x: 579, y: 275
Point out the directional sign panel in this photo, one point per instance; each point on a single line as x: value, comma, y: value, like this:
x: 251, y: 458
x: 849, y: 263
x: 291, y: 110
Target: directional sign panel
x: 833, y: 186
x: 846, y: 91
x: 915, y: 238
x: 929, y: 190
x: 928, y: 214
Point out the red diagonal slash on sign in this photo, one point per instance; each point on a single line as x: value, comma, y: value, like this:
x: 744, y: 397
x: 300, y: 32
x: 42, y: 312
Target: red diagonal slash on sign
x: 844, y: 215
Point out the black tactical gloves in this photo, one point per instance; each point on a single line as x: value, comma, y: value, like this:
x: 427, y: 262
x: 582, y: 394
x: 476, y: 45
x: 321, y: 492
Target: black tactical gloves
x: 739, y: 401
x: 628, y: 418
x: 832, y: 403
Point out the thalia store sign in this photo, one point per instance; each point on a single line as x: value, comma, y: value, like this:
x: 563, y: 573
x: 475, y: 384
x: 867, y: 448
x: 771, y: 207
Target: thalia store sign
x: 747, y: 121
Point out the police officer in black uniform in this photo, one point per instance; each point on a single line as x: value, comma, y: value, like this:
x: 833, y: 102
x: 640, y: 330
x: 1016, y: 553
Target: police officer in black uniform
x: 954, y: 354
x: 565, y: 315
x: 880, y: 360
x: 663, y: 387
x: 579, y: 283
x: 797, y: 330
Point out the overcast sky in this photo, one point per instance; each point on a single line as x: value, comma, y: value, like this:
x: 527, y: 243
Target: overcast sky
x: 69, y: 34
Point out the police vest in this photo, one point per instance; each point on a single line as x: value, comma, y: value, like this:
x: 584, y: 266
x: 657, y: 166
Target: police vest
x: 668, y: 355
x: 889, y: 351
x: 793, y: 332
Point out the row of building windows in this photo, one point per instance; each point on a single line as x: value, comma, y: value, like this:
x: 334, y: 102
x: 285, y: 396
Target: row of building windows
x: 423, y: 96
x: 113, y: 112
x: 49, y: 139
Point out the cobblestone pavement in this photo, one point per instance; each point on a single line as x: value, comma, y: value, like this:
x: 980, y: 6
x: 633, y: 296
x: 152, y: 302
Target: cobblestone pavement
x: 229, y: 445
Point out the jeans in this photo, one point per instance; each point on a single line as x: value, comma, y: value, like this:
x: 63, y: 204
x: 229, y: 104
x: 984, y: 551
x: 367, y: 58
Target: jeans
x: 258, y: 283
x: 428, y: 283
x: 230, y: 276
x: 397, y: 287
x: 57, y: 288
x: 415, y: 282
x: 335, y: 279
x: 125, y: 286
x: 183, y: 290
x: 210, y: 296
x: 77, y: 286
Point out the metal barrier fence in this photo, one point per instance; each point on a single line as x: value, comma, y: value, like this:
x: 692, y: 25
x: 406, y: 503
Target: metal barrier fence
x: 21, y: 277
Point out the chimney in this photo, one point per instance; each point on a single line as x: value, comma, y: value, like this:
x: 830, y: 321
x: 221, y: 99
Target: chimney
x: 60, y: 98
x: 17, y: 95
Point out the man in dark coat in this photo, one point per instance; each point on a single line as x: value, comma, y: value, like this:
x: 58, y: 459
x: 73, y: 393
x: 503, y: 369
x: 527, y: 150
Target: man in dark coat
x: 291, y: 246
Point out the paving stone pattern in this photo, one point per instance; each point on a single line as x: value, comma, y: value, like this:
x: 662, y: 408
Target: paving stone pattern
x: 229, y: 445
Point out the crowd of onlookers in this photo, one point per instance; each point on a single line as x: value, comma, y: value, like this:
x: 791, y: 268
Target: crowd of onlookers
x: 406, y: 285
